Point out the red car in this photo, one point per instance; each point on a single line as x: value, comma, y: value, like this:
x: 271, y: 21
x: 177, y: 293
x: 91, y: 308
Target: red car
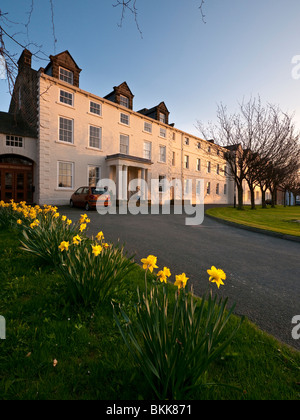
x: 87, y: 197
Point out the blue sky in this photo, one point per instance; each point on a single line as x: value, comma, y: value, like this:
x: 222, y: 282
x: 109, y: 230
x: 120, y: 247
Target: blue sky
x: 245, y: 48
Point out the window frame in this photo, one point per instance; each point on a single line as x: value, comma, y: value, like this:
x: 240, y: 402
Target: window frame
x: 100, y: 108
x: 91, y: 126
x: 122, y: 114
x: 88, y: 174
x: 160, y: 154
x: 58, y: 174
x: 64, y: 99
x: 59, y: 130
x: 122, y: 102
x: 127, y: 146
x: 162, y: 132
x: 67, y: 78
x: 15, y: 141
x: 149, y: 125
x: 149, y: 151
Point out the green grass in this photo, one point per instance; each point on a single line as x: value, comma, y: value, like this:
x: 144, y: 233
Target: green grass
x: 280, y: 219
x: 93, y: 362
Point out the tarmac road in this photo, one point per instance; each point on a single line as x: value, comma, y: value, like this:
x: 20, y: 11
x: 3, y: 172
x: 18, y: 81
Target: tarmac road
x: 263, y: 272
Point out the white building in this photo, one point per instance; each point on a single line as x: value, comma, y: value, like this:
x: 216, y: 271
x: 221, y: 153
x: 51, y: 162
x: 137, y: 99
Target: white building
x: 73, y: 138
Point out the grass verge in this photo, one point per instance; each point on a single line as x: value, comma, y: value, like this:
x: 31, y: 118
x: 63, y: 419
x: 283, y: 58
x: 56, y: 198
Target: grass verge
x: 92, y: 360
x: 280, y: 219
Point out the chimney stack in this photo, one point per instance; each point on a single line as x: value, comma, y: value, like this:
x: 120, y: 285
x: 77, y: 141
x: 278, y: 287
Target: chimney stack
x: 25, y: 59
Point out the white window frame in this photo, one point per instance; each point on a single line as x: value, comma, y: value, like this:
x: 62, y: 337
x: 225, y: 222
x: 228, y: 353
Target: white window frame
x: 149, y: 125
x: 66, y: 98
x: 198, y: 165
x: 59, y: 130
x: 187, y: 141
x: 91, y: 167
x: 173, y: 158
x: 127, y: 145
x: 186, y: 162
x: 162, y: 132
x: 162, y: 118
x: 72, y: 175
x: 68, y: 77
x: 208, y: 167
x: 162, y: 155
x: 124, y: 119
x: 147, y: 153
x: 217, y: 189
x: 94, y: 109
x: 124, y: 101
x: 225, y: 189
x: 94, y: 137
x: 208, y: 188
x: 14, y: 141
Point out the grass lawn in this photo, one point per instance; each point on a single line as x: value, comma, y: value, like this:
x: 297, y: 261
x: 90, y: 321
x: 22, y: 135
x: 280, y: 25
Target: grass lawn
x: 280, y: 219
x: 92, y: 360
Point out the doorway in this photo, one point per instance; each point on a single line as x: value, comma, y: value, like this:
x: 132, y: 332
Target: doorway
x: 16, y: 179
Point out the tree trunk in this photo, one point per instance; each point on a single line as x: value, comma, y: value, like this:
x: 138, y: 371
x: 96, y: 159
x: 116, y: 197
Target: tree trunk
x: 273, y: 200
x: 240, y: 197
x: 252, y: 199
x: 263, y: 198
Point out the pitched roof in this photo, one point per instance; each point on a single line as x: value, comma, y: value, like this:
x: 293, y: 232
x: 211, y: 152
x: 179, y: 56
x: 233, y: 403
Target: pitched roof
x: 13, y: 124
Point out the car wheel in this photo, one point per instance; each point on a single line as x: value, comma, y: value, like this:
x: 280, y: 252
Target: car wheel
x: 71, y: 203
x: 87, y: 206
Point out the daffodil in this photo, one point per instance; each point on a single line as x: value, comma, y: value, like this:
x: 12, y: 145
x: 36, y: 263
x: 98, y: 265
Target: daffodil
x: 63, y: 218
x: 82, y: 227
x: 164, y: 274
x: 76, y: 240
x: 19, y: 222
x: 216, y: 276
x: 149, y: 263
x: 69, y: 222
x: 96, y: 250
x: 181, y: 281
x: 100, y: 236
x: 64, y: 246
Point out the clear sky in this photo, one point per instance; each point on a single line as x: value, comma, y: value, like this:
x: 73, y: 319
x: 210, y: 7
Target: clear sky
x: 245, y: 48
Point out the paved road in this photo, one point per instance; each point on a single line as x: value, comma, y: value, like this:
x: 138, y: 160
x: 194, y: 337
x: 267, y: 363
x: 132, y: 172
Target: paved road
x: 263, y: 273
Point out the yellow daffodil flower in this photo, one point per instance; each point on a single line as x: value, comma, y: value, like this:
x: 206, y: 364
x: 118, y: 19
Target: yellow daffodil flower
x: 76, y: 240
x: 181, y: 281
x: 82, y: 227
x: 164, y: 274
x: 64, y: 246
x: 96, y: 250
x: 100, y: 236
x: 216, y: 276
x: 19, y: 222
x: 149, y: 263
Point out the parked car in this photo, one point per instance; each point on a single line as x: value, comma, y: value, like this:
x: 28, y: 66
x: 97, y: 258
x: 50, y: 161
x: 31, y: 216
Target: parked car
x: 87, y: 197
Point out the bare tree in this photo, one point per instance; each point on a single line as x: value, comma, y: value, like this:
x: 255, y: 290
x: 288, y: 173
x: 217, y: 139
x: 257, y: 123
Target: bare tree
x: 262, y: 145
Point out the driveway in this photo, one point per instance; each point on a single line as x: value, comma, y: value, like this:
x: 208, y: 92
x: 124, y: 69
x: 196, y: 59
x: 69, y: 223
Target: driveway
x: 263, y: 272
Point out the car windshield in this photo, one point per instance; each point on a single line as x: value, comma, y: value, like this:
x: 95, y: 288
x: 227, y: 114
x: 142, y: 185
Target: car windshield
x: 98, y: 191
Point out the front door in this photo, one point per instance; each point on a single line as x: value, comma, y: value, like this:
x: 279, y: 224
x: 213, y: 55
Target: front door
x: 16, y: 184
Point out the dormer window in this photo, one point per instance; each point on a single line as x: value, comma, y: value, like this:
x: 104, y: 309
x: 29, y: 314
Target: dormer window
x: 124, y: 101
x: 66, y: 75
x: 162, y: 118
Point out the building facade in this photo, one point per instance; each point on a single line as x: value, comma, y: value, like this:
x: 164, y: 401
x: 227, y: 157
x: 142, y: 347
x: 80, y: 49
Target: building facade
x: 74, y: 138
